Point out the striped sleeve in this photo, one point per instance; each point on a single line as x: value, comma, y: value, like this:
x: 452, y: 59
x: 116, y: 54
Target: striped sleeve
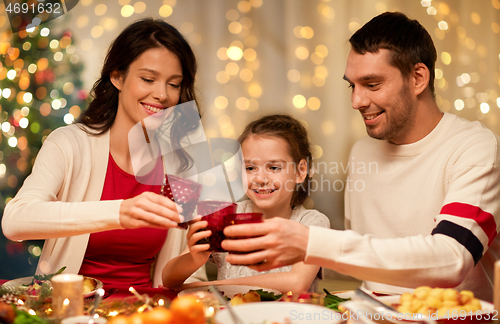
x: 472, y: 231
x: 471, y: 210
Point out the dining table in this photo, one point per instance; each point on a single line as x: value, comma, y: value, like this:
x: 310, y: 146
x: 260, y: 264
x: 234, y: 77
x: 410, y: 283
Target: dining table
x: 123, y: 292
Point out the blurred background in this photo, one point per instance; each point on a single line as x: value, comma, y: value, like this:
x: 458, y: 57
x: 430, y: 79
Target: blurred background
x: 255, y: 57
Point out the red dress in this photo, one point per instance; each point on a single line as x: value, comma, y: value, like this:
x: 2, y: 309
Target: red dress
x: 124, y: 257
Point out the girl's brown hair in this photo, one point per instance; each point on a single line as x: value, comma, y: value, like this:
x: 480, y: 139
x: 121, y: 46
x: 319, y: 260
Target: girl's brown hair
x: 294, y: 133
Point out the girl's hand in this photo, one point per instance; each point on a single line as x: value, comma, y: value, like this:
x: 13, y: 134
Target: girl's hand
x: 199, y: 252
x: 149, y: 210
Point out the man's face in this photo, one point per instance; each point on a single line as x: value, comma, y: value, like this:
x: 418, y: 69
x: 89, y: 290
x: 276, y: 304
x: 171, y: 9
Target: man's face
x: 382, y: 96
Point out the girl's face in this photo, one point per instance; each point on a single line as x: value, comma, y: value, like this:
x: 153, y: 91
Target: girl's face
x: 151, y: 85
x: 271, y: 173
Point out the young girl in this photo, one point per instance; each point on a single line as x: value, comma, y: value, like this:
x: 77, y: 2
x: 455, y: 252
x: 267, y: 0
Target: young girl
x: 82, y: 195
x: 276, y: 153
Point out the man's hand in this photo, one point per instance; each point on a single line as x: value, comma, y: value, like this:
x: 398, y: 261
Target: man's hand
x: 275, y: 243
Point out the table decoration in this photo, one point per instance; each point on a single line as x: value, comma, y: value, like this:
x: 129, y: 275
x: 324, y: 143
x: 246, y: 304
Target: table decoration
x: 67, y: 295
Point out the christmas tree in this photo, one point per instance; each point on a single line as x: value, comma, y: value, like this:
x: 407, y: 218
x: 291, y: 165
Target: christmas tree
x: 40, y: 90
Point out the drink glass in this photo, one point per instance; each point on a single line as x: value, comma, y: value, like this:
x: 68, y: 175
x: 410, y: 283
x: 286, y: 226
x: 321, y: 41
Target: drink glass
x: 216, y: 213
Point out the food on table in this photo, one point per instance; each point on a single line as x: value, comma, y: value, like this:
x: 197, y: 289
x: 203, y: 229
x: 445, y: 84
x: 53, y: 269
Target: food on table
x: 440, y: 301
x: 158, y: 315
x: 7, y: 313
x: 40, y: 282
x: 188, y: 309
x: 249, y: 297
x: 10, y: 315
x: 253, y: 296
x: 332, y: 302
x: 89, y: 284
x: 185, y: 309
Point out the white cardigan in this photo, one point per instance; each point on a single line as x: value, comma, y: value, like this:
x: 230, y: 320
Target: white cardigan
x: 60, y: 202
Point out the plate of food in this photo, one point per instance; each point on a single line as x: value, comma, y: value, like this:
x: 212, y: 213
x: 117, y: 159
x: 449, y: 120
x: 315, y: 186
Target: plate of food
x: 240, y: 294
x: 455, y: 307
x: 435, y: 304
x: 280, y: 313
x: 30, y: 286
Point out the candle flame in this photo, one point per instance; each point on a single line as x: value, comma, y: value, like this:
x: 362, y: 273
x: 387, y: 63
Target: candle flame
x: 113, y: 313
x: 32, y: 312
x: 96, y: 315
x: 66, y: 302
x: 66, y: 277
x: 20, y: 302
x: 161, y: 302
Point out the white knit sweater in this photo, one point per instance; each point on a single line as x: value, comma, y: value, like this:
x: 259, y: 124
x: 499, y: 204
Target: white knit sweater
x: 425, y: 213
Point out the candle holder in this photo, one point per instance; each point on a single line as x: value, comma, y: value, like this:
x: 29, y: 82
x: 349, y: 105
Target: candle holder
x: 67, y: 295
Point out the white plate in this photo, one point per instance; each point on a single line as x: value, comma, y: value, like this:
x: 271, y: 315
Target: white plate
x: 390, y: 300
x: 19, y: 282
x: 364, y: 309
x: 256, y: 313
x: 229, y: 290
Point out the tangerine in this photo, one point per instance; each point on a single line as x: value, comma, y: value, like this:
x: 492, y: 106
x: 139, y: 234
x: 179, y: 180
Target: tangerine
x: 187, y: 309
x: 120, y: 319
x: 158, y: 315
x: 136, y: 318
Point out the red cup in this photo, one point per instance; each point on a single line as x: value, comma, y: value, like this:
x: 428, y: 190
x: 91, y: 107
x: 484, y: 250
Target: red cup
x: 216, y: 214
x: 243, y: 218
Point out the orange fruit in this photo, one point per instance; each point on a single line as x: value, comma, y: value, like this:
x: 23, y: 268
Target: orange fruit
x: 187, y: 309
x: 158, y: 315
x: 119, y: 319
x: 136, y: 318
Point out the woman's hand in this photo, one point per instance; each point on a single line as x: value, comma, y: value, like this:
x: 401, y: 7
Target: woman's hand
x: 199, y: 252
x: 149, y: 210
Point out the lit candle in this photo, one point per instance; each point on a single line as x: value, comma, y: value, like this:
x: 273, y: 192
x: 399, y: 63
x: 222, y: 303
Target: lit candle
x: 67, y: 295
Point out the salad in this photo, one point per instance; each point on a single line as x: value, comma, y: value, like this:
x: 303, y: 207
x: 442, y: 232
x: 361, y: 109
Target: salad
x: 40, y: 283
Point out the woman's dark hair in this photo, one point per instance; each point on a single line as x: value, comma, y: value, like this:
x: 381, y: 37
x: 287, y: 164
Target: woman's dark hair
x: 295, y: 134
x: 134, y: 40
x: 408, y: 41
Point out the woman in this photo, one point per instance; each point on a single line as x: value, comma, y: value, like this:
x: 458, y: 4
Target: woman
x: 82, y: 196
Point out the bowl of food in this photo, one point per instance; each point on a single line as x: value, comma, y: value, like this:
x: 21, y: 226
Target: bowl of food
x: 29, y: 287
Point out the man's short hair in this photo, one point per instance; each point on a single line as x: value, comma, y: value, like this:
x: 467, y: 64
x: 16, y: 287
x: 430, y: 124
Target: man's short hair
x: 408, y: 41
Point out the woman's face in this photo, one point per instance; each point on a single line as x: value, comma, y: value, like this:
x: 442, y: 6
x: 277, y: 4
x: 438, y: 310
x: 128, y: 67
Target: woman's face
x: 151, y: 85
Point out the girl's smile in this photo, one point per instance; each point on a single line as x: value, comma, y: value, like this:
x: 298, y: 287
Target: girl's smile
x: 272, y: 175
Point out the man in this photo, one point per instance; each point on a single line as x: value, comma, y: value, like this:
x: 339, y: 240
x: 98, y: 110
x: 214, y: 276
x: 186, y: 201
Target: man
x: 429, y: 215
